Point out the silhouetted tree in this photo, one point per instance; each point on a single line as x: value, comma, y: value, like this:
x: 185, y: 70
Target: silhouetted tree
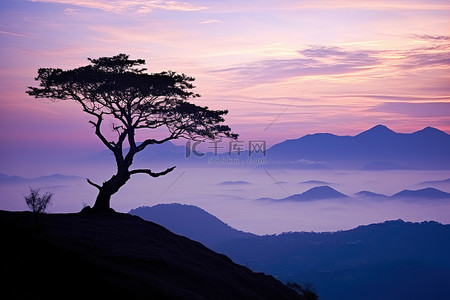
x: 37, y: 203
x: 116, y: 87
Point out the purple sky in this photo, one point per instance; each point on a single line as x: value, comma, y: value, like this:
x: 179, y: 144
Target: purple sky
x: 301, y: 66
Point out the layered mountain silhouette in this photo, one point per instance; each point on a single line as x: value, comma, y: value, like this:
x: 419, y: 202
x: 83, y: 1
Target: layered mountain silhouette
x: 427, y: 193
x: 326, y: 192
x: 378, y: 148
x: 118, y: 256
x: 390, y: 260
x: 316, y: 193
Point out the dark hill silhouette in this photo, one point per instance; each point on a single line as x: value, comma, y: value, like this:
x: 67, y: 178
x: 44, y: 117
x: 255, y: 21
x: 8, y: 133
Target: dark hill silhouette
x: 390, y: 260
x: 191, y: 221
x: 426, y: 193
x: 316, y: 193
x: 117, y: 256
x: 424, y: 149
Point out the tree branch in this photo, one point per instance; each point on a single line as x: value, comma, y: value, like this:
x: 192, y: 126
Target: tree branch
x: 153, y: 141
x: 99, y: 133
x: 149, y: 172
x: 93, y: 184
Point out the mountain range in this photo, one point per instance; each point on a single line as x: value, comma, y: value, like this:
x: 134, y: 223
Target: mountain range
x: 326, y: 192
x: 390, y: 260
x: 378, y: 148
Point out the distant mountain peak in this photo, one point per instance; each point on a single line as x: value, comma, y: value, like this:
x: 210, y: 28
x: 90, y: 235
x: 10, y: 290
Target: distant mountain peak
x: 377, y: 130
x: 430, y: 131
x: 426, y: 193
x: 316, y: 193
x: 380, y: 127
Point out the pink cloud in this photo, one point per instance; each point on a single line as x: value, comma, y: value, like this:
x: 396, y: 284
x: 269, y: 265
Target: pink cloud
x: 312, y: 62
x: 119, y: 6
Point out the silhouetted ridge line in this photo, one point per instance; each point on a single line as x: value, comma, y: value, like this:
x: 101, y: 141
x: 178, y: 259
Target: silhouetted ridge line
x: 119, y: 257
x: 198, y: 224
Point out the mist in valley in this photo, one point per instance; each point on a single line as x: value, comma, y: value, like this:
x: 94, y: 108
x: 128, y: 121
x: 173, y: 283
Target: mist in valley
x: 234, y: 195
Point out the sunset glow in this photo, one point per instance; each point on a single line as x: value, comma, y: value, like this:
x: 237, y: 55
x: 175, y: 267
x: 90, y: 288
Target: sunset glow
x: 301, y: 66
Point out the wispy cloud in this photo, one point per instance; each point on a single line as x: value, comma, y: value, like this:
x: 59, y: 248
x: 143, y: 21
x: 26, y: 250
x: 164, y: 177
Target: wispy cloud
x: 12, y: 33
x: 139, y: 6
x: 332, y: 60
x: 70, y: 11
x: 374, y: 5
x: 436, y: 56
x: 395, y: 97
x: 311, y: 62
x: 427, y: 37
x: 212, y: 21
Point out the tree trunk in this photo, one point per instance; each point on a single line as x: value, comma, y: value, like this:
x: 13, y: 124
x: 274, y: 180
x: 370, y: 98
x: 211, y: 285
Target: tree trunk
x: 102, y: 203
x: 109, y: 188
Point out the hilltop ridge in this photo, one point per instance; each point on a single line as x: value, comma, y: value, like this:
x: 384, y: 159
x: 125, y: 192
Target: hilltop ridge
x: 118, y: 256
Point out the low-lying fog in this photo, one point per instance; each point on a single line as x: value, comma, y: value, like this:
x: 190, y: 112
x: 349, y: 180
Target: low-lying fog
x: 231, y: 193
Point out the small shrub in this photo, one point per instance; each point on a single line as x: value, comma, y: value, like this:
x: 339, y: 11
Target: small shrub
x: 37, y: 203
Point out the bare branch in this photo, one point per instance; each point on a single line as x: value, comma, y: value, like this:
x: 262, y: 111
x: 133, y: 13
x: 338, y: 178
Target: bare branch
x: 93, y: 184
x: 149, y: 172
x: 99, y: 133
x: 147, y: 142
